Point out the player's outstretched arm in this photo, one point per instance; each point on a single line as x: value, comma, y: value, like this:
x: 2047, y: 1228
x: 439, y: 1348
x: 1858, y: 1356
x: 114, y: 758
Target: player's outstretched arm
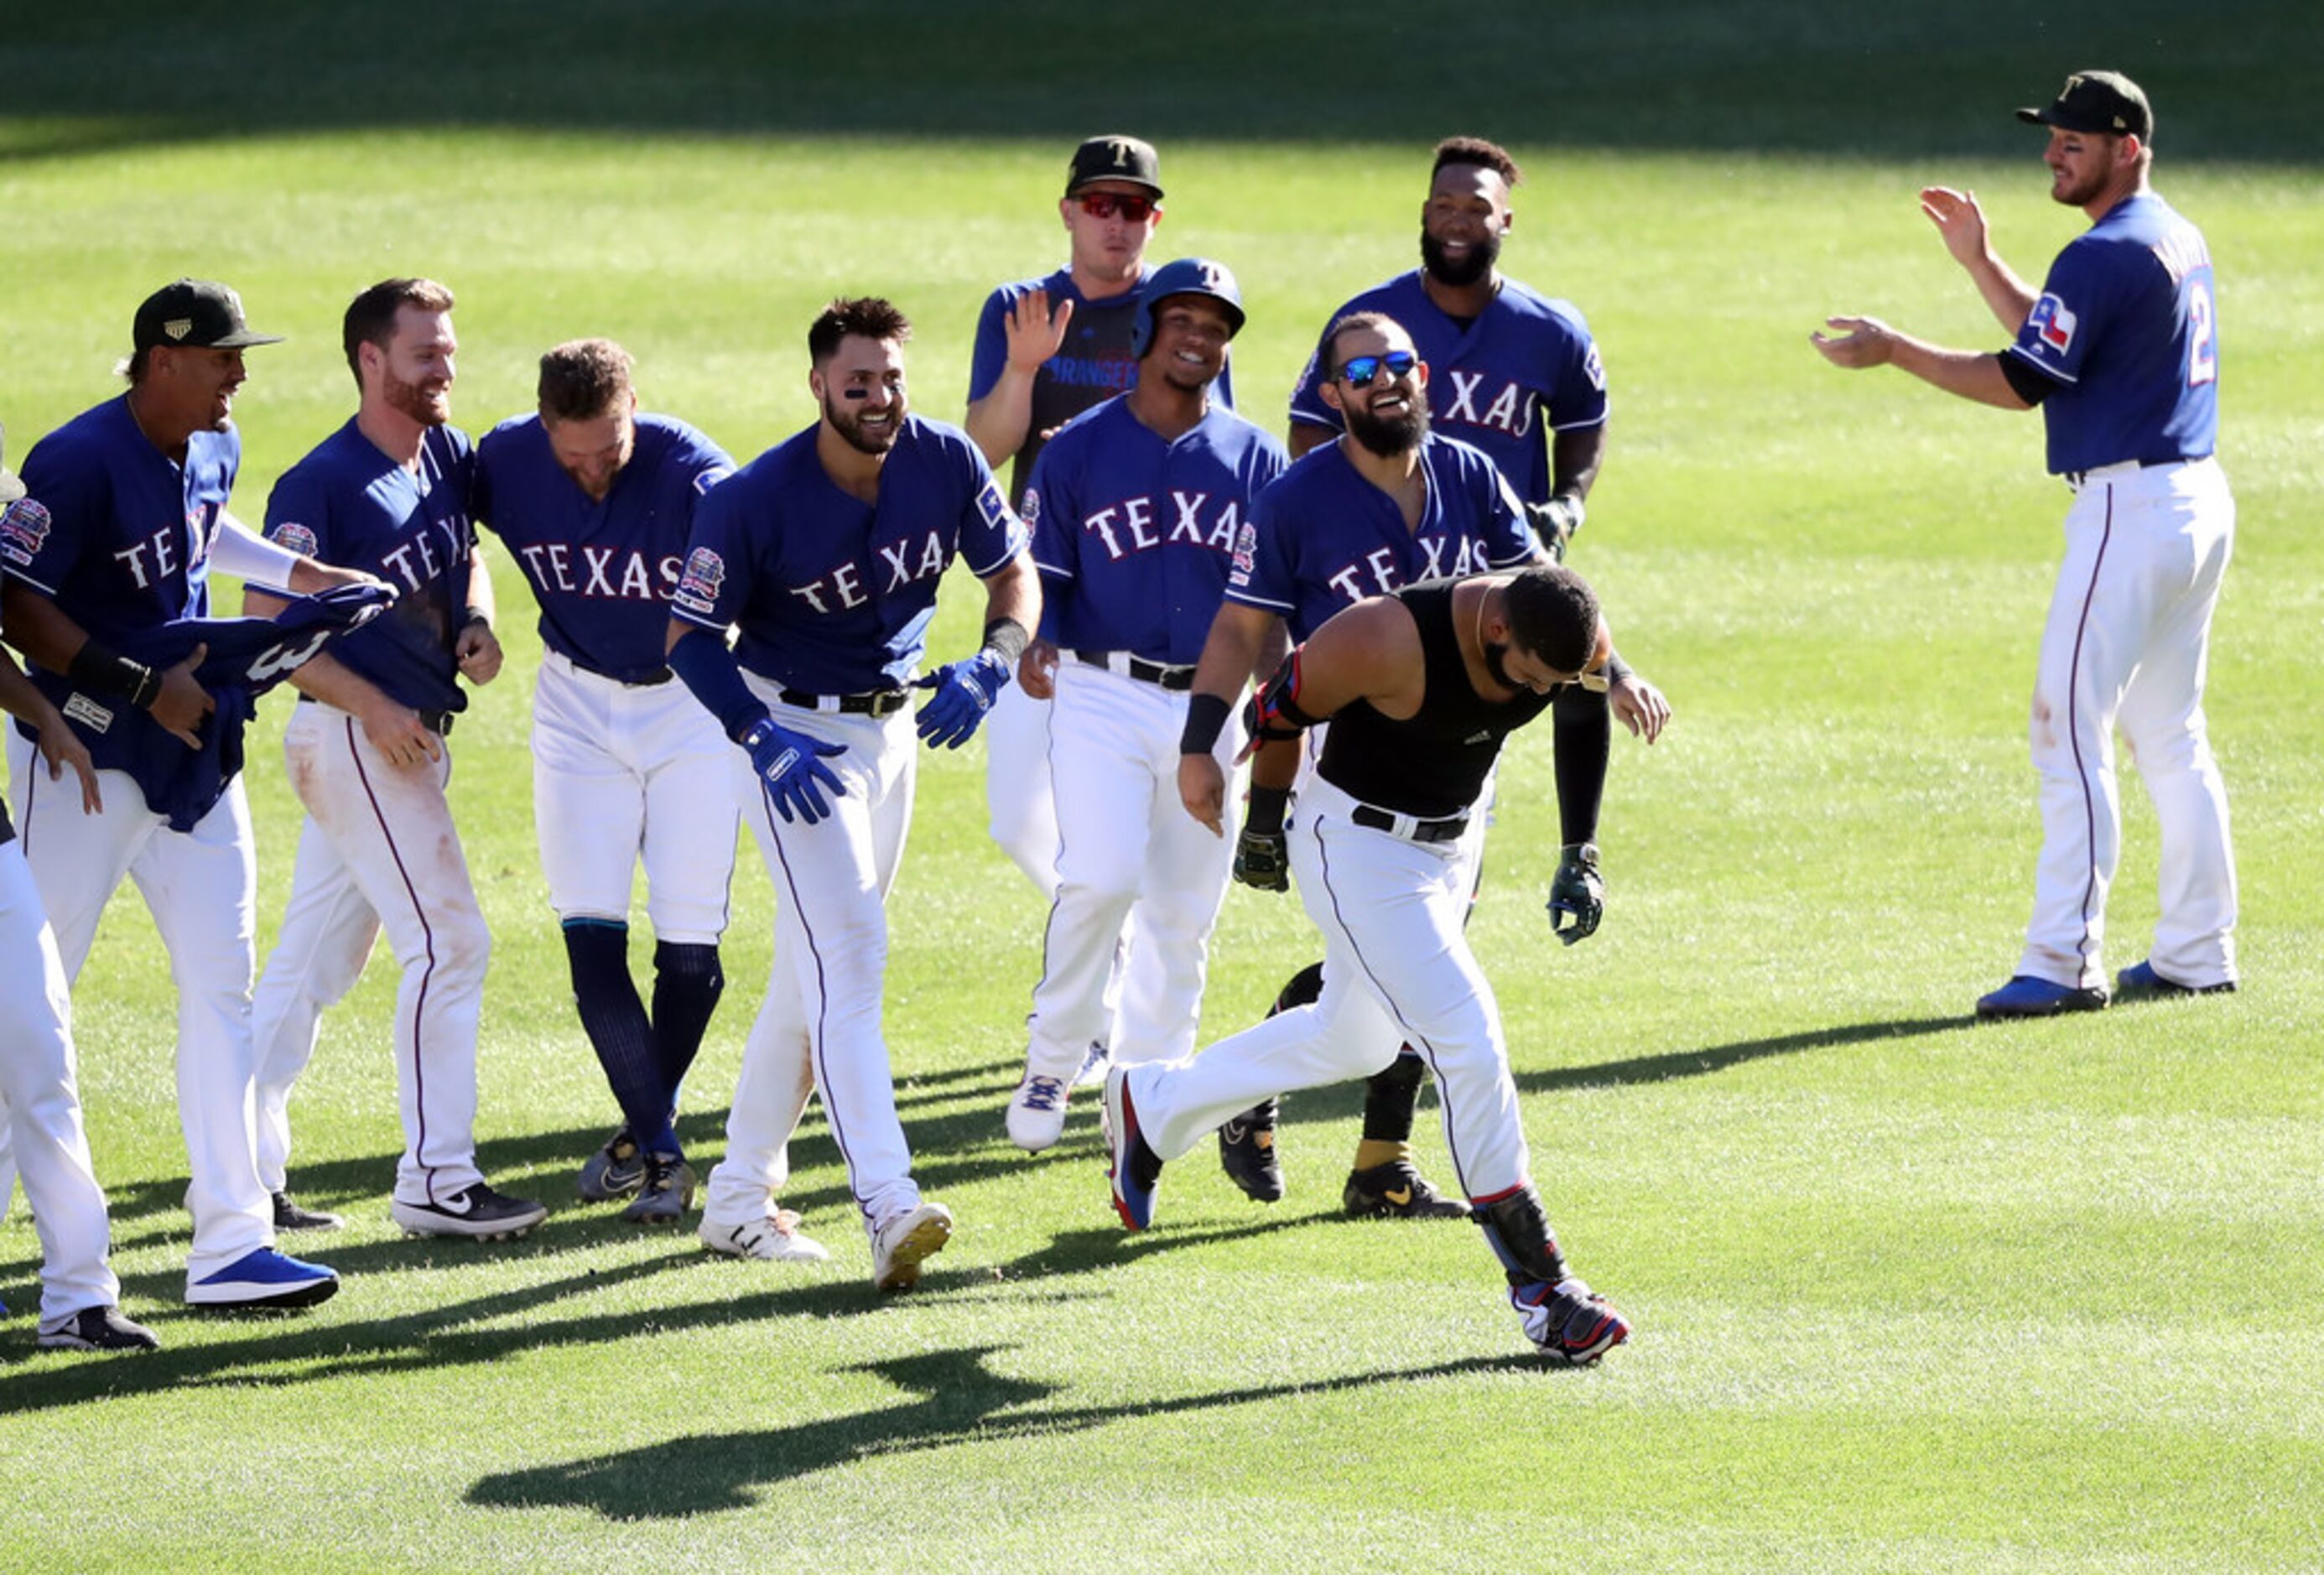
x: 966, y: 689
x: 1960, y: 224
x: 999, y: 422
x: 1972, y: 374
x: 1238, y: 634
x: 395, y: 731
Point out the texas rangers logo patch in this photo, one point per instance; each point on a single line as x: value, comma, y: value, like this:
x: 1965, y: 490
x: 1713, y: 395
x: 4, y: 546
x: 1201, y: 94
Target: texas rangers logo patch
x: 992, y: 506
x: 698, y: 586
x: 23, y: 530
x: 296, y: 539
x: 2052, y: 324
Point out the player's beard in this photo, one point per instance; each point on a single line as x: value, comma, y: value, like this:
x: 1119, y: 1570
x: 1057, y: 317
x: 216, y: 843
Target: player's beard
x: 413, y: 400
x: 1496, y: 654
x: 2080, y: 195
x: 1479, y: 264
x: 1390, y: 436
x: 851, y: 428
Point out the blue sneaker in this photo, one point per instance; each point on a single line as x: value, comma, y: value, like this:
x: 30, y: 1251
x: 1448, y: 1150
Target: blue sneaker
x: 1134, y: 1168
x: 264, y: 1278
x: 2140, y: 979
x: 2028, y: 997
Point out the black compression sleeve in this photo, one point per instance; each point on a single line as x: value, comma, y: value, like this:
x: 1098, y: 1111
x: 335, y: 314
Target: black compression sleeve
x: 1584, y: 733
x: 1266, y: 806
x: 2031, y: 386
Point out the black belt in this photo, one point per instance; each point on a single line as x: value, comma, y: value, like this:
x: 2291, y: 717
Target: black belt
x: 659, y: 675
x: 876, y: 703
x: 2076, y: 478
x: 1177, y: 680
x: 438, y: 722
x: 1446, y: 830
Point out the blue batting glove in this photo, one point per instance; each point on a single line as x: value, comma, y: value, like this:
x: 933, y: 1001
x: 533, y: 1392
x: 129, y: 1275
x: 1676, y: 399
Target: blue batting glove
x: 790, y: 765
x: 965, y: 692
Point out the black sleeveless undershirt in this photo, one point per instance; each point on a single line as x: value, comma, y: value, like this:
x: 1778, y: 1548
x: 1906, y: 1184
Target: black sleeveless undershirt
x: 1434, y: 763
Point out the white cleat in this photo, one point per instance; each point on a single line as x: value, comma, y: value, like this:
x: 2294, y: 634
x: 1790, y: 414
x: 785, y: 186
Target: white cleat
x: 899, y: 1247
x: 774, y: 1237
x: 1037, y: 1112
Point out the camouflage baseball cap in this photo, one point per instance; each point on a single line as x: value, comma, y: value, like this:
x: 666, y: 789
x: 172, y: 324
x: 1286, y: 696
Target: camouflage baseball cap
x: 1124, y: 158
x: 10, y: 486
x: 2098, y: 101
x: 198, y: 313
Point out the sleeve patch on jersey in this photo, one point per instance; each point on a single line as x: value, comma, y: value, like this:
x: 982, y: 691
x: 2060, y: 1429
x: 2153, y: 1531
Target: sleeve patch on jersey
x: 91, y: 716
x: 24, y: 530
x: 710, y: 478
x: 1246, y: 554
x: 2052, y: 325
x: 291, y: 537
x: 993, y: 506
x: 1030, y: 510
x: 698, y: 586
x: 1594, y: 367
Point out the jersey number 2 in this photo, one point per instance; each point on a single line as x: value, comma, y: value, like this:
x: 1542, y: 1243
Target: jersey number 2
x: 2202, y: 350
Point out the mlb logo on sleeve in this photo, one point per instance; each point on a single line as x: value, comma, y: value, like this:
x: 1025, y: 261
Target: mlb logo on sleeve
x: 2052, y: 324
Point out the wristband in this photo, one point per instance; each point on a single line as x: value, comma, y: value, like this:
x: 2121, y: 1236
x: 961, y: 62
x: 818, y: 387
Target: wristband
x: 1207, y: 718
x: 1006, y: 638
x: 1617, y: 669
x: 1265, y: 815
x: 475, y: 615
x: 107, y: 672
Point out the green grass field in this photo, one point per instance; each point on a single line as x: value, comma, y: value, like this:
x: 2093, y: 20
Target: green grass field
x: 1912, y: 1294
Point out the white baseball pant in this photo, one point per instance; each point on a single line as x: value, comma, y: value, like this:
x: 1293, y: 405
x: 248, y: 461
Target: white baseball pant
x: 2128, y: 641
x: 378, y: 851
x: 199, y: 886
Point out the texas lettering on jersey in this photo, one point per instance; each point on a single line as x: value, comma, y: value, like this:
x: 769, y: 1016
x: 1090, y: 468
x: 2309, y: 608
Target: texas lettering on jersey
x: 616, y: 574
x: 901, y: 564
x: 1134, y: 525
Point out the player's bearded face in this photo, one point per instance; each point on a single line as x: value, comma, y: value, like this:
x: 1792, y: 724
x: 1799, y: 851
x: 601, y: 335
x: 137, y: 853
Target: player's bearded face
x: 1461, y: 262
x: 862, y: 393
x: 416, y: 371
x: 2080, y: 165
x: 592, y: 449
x: 1461, y: 225
x: 1390, y: 417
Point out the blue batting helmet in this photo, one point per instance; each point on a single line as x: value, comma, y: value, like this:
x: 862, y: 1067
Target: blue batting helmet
x: 1187, y: 276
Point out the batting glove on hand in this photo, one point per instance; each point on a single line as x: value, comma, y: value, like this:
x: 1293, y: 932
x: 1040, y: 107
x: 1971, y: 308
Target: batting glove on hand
x: 791, y: 766
x: 966, y: 691
x: 1262, y: 859
x: 1577, y: 894
x: 1555, y: 521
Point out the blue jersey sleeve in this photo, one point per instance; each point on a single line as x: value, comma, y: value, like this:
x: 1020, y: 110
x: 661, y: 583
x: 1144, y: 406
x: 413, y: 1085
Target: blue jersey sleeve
x: 716, y: 583
x: 299, y: 514
x: 991, y: 353
x: 1577, y: 398
x: 1503, y: 526
x: 44, y: 530
x: 990, y: 533
x: 2069, y: 315
x: 1265, y: 572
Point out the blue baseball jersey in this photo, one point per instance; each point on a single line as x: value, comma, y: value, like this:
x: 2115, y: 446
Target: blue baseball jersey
x: 2126, y: 327
x: 350, y: 504
x: 1323, y: 538
x: 118, y: 535
x: 1093, y: 365
x: 603, y: 572
x: 833, y: 596
x: 1523, y: 368
x: 1134, y: 535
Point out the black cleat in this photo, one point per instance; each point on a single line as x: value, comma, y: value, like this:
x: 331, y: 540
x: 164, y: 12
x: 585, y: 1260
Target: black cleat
x: 615, y: 1171
x: 289, y: 1216
x: 477, y: 1212
x: 96, y: 1329
x: 1246, y: 1154
x: 1395, y: 1190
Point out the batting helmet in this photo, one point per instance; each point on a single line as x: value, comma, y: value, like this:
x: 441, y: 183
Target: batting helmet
x: 1187, y: 276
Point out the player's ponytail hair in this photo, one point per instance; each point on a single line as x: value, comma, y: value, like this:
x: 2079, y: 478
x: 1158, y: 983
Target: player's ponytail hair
x: 1553, y: 614
x: 866, y: 316
x: 583, y: 379
x: 370, y: 316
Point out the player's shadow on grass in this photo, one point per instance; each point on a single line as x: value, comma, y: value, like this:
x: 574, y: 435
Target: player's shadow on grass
x: 957, y: 1399
x: 298, y: 1348
x: 1713, y: 1058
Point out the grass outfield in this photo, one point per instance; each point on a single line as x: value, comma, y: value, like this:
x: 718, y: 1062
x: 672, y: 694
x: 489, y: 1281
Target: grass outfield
x: 1912, y: 1294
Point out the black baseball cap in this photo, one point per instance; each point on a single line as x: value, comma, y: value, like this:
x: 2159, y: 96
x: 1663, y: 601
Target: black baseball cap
x: 1124, y: 158
x: 197, y: 313
x: 11, y: 487
x: 2098, y: 101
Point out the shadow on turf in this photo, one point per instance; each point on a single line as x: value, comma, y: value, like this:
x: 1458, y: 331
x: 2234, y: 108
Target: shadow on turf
x: 1720, y: 1057
x: 289, y: 1349
x: 958, y: 1399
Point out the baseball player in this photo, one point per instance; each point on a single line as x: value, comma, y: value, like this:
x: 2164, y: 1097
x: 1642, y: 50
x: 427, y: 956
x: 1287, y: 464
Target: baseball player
x: 596, y: 503
x: 389, y: 490
x: 130, y: 520
x: 1390, y: 503
x: 2120, y: 349
x: 825, y: 552
x: 1135, y: 510
x: 1046, y: 350
x: 1422, y: 687
x: 38, y: 1100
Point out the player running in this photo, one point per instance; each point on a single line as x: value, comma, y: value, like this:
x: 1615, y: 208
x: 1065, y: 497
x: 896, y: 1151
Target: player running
x: 1135, y: 510
x: 595, y: 503
x: 825, y: 552
x: 1421, y: 689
